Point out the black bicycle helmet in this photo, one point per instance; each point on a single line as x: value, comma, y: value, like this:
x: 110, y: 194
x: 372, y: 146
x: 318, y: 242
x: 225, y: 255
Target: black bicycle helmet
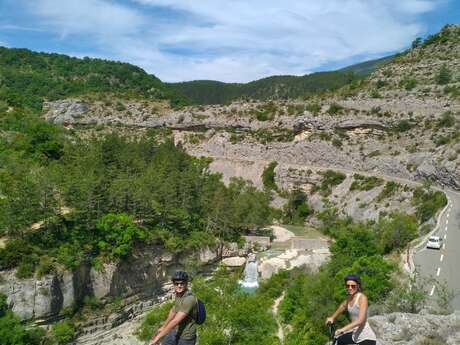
x: 180, y: 275
x: 353, y: 277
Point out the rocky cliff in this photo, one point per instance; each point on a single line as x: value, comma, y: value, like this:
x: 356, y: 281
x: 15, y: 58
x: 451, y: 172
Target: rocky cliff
x: 141, y: 277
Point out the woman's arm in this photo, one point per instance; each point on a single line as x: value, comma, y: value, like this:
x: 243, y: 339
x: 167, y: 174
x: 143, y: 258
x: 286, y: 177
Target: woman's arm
x: 363, y: 305
x: 342, y: 307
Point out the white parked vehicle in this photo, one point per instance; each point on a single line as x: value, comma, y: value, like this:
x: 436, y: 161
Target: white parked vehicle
x: 434, y: 242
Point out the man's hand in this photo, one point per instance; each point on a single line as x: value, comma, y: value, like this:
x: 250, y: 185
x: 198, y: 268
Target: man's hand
x: 154, y: 341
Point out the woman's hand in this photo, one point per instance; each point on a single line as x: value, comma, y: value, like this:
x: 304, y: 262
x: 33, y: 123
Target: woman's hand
x: 338, y: 332
x: 329, y: 320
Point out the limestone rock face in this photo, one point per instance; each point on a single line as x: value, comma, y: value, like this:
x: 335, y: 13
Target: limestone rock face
x: 271, y: 266
x: 65, y: 112
x: 208, y: 255
x: 412, y: 329
x: 236, y: 261
x: 291, y: 258
x: 102, y: 279
x: 444, y: 173
x: 143, y: 275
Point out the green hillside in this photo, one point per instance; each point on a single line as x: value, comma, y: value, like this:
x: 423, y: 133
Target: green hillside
x: 279, y: 87
x: 27, y: 78
x: 367, y: 67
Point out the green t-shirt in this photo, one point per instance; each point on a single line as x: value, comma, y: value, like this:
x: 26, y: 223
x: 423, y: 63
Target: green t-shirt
x: 187, y: 327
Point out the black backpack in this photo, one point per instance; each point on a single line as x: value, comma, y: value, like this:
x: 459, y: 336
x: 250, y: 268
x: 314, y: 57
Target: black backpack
x: 201, y: 312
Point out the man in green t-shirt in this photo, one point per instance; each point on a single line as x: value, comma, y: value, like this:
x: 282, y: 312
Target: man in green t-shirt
x: 180, y: 326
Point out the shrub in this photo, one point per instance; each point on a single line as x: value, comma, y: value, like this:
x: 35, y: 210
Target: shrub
x: 337, y: 142
x: 330, y: 179
x: 334, y: 109
x: 268, y: 176
x: 118, y: 234
x: 63, y: 332
x: 396, y: 232
x: 403, y: 126
x: 444, y: 75
x: 365, y: 182
x: 314, y: 108
x: 153, y: 320
x: 408, y: 297
x: 428, y: 203
x: 447, y: 120
x: 408, y: 83
x: 390, y: 188
x: 296, y: 209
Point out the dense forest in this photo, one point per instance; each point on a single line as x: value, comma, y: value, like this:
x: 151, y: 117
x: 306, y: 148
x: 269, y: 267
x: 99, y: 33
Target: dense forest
x: 111, y: 186
x: 276, y: 87
x: 27, y: 78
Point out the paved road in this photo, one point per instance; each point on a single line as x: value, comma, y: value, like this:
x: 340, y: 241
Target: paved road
x: 444, y: 264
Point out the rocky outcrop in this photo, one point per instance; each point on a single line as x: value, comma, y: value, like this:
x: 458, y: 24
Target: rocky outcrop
x: 416, y: 329
x: 66, y: 111
x: 143, y: 275
x: 291, y: 258
x: 445, y: 174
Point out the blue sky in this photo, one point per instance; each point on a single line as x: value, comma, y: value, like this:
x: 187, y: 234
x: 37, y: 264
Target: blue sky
x: 226, y: 40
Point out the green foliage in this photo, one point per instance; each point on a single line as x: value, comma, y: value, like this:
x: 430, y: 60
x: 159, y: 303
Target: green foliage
x: 334, y: 109
x: 403, y: 126
x: 310, y: 298
x: 375, y: 274
x: 28, y: 78
x: 388, y: 190
x: 117, y: 235
x: 408, y: 297
x: 314, y: 108
x: 268, y: 135
x: 330, y: 179
x: 296, y: 209
x: 153, y: 321
x: 444, y: 298
x: 12, y: 332
x: 233, y: 317
x: 428, y: 203
x: 63, y: 332
x: 352, y: 242
x: 444, y: 75
x: 365, y: 182
x: 447, y: 120
x: 397, y: 232
x: 416, y: 43
x: 408, y: 83
x: 120, y: 193
x: 268, y: 176
x: 276, y: 87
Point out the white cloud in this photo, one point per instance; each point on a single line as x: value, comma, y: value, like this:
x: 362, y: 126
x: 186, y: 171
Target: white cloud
x: 96, y: 17
x: 236, y: 40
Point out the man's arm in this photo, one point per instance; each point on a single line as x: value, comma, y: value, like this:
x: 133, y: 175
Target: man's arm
x: 171, y: 315
x: 165, y: 329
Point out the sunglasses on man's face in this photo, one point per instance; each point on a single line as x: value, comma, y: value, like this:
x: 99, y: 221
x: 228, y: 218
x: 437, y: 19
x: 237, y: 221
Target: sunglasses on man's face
x: 179, y: 283
x: 351, y: 286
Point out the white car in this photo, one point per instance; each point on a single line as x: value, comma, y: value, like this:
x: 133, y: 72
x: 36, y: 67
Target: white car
x: 434, y: 242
